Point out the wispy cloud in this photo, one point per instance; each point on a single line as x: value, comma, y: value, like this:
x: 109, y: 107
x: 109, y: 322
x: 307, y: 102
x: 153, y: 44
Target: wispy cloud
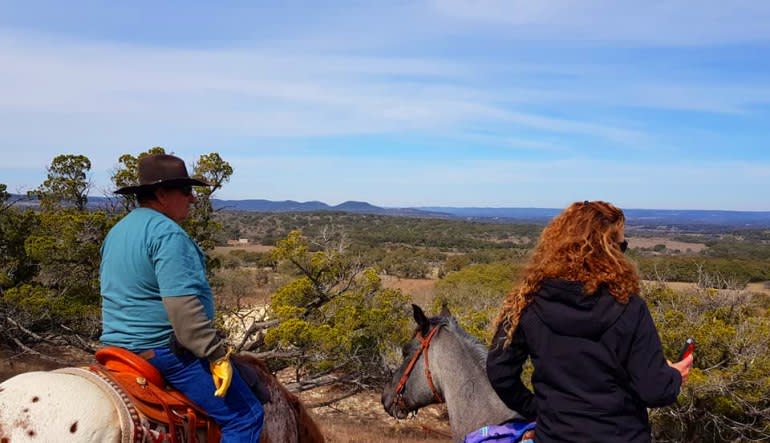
x: 258, y: 93
x: 648, y: 23
x: 527, y: 102
x: 276, y: 93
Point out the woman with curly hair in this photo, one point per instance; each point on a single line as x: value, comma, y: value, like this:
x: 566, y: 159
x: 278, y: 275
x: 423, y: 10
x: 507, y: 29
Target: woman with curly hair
x: 597, y: 357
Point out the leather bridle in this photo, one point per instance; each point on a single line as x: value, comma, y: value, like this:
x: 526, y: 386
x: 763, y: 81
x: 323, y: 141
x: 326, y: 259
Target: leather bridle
x: 422, y: 350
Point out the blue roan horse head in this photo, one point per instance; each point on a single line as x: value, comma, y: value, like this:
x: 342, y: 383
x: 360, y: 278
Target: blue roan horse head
x: 443, y: 363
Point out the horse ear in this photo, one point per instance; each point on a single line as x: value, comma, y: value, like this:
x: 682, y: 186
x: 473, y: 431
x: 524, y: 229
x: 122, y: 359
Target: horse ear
x: 445, y: 311
x: 421, y: 319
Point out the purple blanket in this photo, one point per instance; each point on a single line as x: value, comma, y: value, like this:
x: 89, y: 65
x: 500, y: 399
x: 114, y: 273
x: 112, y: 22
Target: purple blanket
x: 510, y: 432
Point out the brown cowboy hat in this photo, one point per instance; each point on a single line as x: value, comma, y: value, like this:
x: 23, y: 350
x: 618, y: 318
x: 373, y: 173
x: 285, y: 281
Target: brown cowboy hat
x: 161, y: 170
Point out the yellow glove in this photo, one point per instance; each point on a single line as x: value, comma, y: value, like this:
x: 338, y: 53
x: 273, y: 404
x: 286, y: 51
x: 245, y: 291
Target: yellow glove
x: 222, y: 373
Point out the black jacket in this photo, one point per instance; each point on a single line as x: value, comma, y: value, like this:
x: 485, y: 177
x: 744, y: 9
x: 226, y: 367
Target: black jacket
x: 598, y: 366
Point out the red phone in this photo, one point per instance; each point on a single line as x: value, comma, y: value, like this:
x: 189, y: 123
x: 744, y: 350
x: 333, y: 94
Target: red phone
x: 687, y: 349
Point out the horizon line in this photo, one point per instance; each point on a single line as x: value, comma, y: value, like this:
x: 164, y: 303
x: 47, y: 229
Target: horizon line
x: 25, y: 197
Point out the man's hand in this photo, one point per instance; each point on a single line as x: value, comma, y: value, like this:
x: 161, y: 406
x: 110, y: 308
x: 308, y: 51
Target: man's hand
x: 222, y: 373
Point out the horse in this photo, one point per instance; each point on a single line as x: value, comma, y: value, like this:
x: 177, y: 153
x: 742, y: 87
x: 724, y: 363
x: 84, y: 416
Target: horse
x: 63, y: 405
x: 443, y: 363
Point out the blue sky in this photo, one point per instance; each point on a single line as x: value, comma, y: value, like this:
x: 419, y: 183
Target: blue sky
x: 654, y: 104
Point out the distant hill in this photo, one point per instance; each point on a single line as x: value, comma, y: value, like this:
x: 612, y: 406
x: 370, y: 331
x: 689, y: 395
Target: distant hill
x: 270, y: 206
x: 313, y: 206
x: 648, y: 217
x: 510, y: 214
x: 638, y: 217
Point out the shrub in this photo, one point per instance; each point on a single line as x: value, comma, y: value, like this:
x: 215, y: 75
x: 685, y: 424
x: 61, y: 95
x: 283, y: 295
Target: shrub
x: 474, y: 294
x: 727, y: 397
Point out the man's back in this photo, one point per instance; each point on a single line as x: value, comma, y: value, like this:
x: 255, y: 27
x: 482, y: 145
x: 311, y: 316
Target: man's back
x: 142, y: 258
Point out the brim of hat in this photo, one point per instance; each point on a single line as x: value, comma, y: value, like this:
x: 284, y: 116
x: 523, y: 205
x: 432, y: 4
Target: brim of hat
x: 175, y: 182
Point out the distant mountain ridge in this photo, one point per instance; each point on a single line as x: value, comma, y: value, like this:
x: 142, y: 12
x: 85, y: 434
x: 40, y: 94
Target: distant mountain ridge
x: 752, y: 219
x: 745, y: 219
x: 648, y: 217
x: 258, y: 205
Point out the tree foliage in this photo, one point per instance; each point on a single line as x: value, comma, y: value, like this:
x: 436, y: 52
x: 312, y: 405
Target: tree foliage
x: 377, y: 231
x: 201, y: 225
x: 127, y: 174
x: 5, y: 198
x: 730, y: 272
x: 335, y: 314
x: 67, y: 182
x: 727, y: 396
x: 16, y: 267
x: 475, y: 293
x: 239, y: 257
x: 66, y: 247
x: 62, y: 240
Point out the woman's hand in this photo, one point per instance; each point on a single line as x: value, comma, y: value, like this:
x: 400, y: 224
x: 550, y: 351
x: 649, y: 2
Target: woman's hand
x: 683, y: 366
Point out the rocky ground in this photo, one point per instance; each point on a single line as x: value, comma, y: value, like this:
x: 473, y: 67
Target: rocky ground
x: 361, y: 418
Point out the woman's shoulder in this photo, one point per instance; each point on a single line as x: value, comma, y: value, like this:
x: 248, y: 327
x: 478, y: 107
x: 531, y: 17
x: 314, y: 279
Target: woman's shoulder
x: 636, y: 309
x: 637, y: 301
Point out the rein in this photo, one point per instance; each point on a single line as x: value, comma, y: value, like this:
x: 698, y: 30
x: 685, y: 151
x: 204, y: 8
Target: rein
x: 424, y: 345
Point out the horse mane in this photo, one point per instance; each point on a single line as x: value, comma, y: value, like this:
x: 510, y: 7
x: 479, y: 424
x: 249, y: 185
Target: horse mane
x: 476, y: 347
x: 308, y: 430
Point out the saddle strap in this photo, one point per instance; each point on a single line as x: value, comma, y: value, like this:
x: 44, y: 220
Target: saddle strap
x: 192, y: 423
x: 170, y: 418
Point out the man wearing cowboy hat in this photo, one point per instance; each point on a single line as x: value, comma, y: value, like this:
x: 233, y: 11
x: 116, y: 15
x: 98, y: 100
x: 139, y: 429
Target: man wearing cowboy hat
x: 156, y: 299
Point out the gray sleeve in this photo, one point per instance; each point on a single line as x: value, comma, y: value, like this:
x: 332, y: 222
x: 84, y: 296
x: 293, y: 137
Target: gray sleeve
x: 193, y: 329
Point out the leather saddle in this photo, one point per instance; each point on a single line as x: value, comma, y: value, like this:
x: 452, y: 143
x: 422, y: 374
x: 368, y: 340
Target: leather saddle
x: 153, y: 398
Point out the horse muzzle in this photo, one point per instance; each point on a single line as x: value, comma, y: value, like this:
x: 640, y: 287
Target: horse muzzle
x: 395, y: 406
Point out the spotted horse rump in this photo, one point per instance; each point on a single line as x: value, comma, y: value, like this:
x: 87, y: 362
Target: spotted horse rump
x: 83, y: 405
x: 55, y: 406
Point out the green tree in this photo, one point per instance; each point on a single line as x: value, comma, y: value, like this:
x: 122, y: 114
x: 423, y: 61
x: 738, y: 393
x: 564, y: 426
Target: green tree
x: 65, y: 246
x: 53, y: 255
x: 16, y: 266
x: 474, y: 294
x: 67, y: 182
x: 201, y: 224
x: 335, y: 315
x: 5, y: 198
x: 127, y: 174
x: 455, y: 263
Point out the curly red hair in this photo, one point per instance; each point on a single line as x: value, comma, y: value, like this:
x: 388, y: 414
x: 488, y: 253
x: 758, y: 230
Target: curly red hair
x: 580, y: 244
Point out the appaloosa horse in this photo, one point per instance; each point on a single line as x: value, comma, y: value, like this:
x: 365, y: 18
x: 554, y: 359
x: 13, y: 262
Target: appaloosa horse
x: 63, y: 405
x: 443, y: 363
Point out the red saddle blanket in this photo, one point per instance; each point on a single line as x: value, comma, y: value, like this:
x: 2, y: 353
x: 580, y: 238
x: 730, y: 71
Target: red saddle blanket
x: 159, y: 403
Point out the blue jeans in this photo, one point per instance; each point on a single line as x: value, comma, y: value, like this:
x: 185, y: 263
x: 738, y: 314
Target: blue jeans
x: 239, y: 413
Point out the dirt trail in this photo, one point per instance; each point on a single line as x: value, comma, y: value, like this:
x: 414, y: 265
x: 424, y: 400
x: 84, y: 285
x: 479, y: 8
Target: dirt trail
x: 422, y: 290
